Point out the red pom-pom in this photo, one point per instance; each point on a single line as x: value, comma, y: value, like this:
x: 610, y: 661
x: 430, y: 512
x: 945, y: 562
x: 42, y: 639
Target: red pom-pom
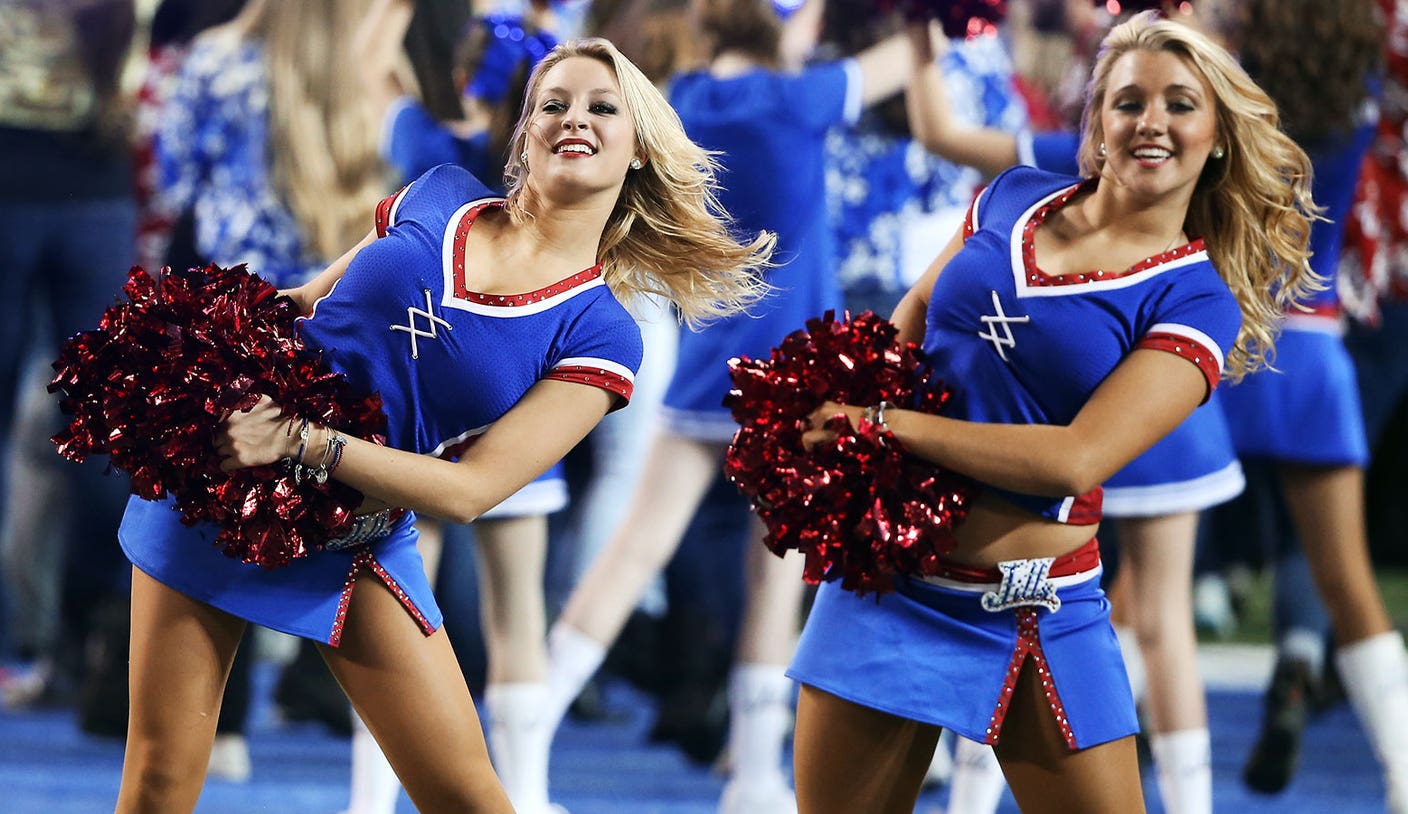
x: 152, y: 384
x: 859, y: 509
x: 960, y: 18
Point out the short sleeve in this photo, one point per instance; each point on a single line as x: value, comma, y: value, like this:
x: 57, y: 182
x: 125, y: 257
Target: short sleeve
x: 823, y: 96
x: 982, y: 202
x: 603, y: 349
x: 431, y: 199
x: 1199, y: 321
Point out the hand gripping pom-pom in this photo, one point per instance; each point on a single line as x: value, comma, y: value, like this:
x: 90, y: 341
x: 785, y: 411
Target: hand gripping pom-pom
x: 152, y: 384
x: 858, y: 508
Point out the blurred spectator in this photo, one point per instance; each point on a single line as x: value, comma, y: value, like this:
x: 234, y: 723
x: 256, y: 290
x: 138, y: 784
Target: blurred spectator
x: 67, y: 220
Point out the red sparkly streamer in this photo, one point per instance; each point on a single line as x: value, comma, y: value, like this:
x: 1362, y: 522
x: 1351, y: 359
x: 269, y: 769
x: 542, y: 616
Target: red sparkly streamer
x: 859, y: 508
x: 151, y: 386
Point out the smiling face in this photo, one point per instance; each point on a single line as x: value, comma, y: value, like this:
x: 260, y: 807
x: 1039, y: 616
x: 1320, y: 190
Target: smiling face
x: 581, y: 137
x: 1159, y: 123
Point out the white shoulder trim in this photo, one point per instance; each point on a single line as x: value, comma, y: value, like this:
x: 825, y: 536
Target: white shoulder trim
x: 1192, y: 334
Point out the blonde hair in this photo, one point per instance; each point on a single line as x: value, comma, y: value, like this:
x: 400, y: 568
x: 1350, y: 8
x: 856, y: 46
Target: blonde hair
x: 322, y: 133
x: 1252, y: 207
x: 668, y: 234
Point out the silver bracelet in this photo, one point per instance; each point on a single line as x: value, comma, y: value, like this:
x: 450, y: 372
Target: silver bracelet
x: 875, y: 416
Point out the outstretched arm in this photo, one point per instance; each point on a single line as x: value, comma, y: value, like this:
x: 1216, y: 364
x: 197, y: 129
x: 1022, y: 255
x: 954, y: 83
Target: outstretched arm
x: 1143, y: 400
x: 540, y: 429
x: 934, y: 126
x: 378, y: 40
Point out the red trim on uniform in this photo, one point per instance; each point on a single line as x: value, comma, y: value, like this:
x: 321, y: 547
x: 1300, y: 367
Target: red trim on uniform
x: 383, y: 212
x: 1087, y: 508
x: 1036, y: 277
x: 594, y: 376
x: 1029, y: 645
x: 505, y: 300
x: 1085, y: 558
x: 970, y: 220
x: 364, y: 559
x: 1193, y: 351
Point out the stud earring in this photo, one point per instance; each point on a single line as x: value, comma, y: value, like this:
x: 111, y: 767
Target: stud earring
x: 1218, y: 152
x: 635, y: 163
x: 1100, y: 150
x: 523, y: 159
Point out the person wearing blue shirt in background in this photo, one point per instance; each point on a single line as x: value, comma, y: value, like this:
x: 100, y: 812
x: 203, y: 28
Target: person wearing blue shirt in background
x: 767, y: 118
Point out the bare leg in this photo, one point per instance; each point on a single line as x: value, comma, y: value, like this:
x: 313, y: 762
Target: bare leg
x: 375, y: 787
x: 181, y: 655
x: 512, y: 552
x: 1158, y: 554
x: 1326, y: 505
x: 512, y: 605
x: 409, y: 690
x: 1102, y: 779
x: 773, y: 605
x: 760, y: 693
x: 849, y: 758
x: 677, y: 474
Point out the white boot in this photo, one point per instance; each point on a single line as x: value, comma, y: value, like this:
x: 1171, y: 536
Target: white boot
x: 1183, y: 763
x: 760, y: 716
x: 375, y: 786
x: 573, y: 658
x: 977, y: 782
x: 520, y: 738
x: 940, y: 769
x: 1374, y: 672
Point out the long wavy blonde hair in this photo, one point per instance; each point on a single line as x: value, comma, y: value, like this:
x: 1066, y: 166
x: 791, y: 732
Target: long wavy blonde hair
x: 1253, y: 207
x: 322, y: 133
x: 668, y: 235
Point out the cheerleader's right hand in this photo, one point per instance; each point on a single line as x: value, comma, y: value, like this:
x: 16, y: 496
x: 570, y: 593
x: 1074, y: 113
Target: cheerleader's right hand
x: 818, y: 433
x: 257, y: 436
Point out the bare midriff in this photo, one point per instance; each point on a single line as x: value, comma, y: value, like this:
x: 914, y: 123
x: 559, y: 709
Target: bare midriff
x: 996, y: 530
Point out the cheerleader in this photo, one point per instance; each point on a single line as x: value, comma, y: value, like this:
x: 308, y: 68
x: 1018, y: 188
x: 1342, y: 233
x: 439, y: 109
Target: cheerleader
x: 493, y: 358
x: 1058, y: 312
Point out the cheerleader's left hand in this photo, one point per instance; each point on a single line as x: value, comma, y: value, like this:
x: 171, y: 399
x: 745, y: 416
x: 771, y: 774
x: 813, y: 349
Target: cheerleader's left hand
x: 257, y: 436
x: 818, y: 433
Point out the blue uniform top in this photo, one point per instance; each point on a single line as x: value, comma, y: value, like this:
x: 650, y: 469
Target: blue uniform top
x: 1193, y: 467
x: 1021, y: 346
x: 449, y: 361
x: 769, y: 129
